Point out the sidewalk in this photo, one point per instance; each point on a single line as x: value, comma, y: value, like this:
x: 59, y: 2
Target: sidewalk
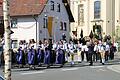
x: 116, y: 68
x: 117, y: 55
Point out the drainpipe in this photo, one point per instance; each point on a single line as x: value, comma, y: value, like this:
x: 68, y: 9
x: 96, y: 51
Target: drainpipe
x: 88, y: 23
x: 37, y: 32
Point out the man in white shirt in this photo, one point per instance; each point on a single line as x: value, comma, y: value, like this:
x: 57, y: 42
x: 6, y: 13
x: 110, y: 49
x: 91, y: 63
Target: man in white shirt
x: 101, y: 50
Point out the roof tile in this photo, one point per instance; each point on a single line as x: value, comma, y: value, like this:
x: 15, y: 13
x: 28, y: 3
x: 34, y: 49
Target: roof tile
x: 25, y: 7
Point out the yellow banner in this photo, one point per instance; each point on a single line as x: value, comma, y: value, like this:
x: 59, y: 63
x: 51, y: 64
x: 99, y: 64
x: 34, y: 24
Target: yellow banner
x: 50, y: 20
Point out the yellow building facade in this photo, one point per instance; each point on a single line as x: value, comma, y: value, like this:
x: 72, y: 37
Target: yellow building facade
x: 100, y: 16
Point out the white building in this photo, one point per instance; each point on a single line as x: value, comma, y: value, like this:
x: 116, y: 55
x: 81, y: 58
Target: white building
x: 103, y: 15
x: 117, y: 17
x: 39, y: 19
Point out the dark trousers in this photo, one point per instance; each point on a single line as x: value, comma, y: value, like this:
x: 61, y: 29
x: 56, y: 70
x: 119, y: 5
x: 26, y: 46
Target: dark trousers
x: 111, y: 55
x: 82, y: 55
x: 91, y: 58
x: 87, y: 56
x: 100, y: 58
x: 52, y: 57
x: 106, y: 55
x: 95, y: 56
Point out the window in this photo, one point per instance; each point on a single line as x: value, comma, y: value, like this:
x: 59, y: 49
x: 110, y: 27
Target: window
x: 52, y: 5
x: 14, y: 44
x: 45, y: 21
x: 14, y: 23
x: 65, y: 26
x: 80, y: 15
x: 61, y: 25
x: 97, y: 9
x: 58, y: 7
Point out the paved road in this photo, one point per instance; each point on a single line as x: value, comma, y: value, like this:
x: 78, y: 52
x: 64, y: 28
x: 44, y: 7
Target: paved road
x: 109, y: 71
x: 84, y: 72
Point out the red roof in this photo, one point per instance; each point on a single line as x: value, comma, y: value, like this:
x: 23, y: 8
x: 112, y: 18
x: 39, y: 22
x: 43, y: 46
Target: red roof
x: 31, y: 7
x: 25, y: 7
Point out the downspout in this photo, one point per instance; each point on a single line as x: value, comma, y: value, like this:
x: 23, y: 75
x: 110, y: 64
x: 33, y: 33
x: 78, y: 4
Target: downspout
x: 37, y: 34
x: 88, y: 23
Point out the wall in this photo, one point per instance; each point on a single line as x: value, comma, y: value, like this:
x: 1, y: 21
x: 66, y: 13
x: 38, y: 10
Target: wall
x: 117, y: 17
x: 107, y: 20
x: 74, y: 8
x: 26, y: 29
x: 57, y: 18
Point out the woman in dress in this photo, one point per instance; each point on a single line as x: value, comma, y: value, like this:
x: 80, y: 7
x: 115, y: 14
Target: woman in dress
x: 60, y: 56
x: 46, y: 53
x: 31, y: 54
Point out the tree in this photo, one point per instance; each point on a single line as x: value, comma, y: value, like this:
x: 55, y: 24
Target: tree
x: 7, y: 50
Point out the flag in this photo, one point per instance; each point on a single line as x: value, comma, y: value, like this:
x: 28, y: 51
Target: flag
x: 81, y: 34
x: 91, y: 34
x: 50, y: 21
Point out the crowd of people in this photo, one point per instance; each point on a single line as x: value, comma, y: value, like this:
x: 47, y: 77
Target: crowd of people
x: 48, y: 52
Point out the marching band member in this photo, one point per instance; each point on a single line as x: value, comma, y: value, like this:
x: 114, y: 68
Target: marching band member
x: 52, y: 54
x: 25, y: 51
x: 116, y: 46
x: 95, y: 55
x: 107, y: 51
x: 112, y: 51
x: 20, y: 54
x: 79, y: 47
x: 65, y: 44
x: 54, y: 50
x: 60, y: 54
x: 46, y: 53
x: 39, y: 53
x: 82, y: 52
x: 101, y: 48
x: 31, y: 54
x: 71, y: 50
x: 86, y: 52
x: 91, y: 51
